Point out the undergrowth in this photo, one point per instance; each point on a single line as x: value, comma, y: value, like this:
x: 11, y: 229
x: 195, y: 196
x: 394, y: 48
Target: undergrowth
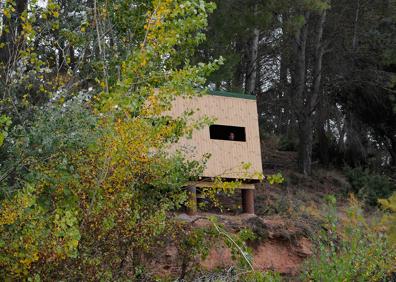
x: 350, y: 248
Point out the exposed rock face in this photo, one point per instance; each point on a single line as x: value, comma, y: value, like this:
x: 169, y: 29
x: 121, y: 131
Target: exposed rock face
x: 280, y: 245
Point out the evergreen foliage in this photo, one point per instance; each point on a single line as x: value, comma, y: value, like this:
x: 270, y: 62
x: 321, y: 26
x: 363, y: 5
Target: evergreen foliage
x: 370, y: 187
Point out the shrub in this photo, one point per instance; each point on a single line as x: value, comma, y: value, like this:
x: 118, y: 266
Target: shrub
x: 257, y: 276
x: 5, y: 123
x: 351, y: 250
x: 369, y: 187
x: 82, y: 207
x: 389, y: 218
x: 54, y: 132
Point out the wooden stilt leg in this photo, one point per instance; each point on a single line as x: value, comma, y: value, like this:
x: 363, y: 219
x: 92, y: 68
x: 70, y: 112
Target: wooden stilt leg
x: 192, y: 200
x: 248, y: 201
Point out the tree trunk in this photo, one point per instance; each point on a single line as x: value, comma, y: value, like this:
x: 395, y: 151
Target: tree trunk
x: 72, y: 57
x: 390, y: 144
x: 299, y: 81
x: 323, y: 140
x: 238, y: 78
x: 305, y: 135
x: 318, y: 97
x: 283, y: 104
x: 286, y: 124
x: 355, y: 26
x: 62, y: 65
x: 317, y: 71
x: 252, y: 69
x: 392, y: 152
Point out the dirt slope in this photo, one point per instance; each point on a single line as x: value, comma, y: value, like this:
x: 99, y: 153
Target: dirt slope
x: 286, y: 218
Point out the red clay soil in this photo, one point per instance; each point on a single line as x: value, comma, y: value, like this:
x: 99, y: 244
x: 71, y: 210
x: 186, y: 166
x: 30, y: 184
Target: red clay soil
x: 270, y: 255
x: 280, y: 256
x: 275, y: 252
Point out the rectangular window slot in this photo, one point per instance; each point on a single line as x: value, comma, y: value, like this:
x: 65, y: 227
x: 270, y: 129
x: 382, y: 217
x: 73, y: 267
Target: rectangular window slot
x: 228, y: 133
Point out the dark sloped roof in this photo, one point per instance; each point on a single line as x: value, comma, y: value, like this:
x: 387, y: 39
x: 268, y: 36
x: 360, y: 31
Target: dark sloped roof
x: 232, y: 94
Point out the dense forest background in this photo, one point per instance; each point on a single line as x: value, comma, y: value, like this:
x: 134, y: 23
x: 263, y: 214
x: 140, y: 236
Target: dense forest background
x: 323, y: 73
x: 89, y: 190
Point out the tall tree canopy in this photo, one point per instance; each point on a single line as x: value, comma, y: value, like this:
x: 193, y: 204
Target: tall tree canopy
x: 323, y: 72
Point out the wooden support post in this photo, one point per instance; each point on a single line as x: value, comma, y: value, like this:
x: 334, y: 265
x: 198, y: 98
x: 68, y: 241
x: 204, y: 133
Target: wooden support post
x: 192, y: 200
x: 248, y: 201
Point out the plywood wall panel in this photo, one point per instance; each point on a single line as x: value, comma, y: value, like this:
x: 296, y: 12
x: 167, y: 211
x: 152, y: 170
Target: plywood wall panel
x: 226, y: 156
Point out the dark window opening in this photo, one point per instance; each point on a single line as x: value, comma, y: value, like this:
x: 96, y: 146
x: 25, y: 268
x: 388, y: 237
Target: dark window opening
x: 225, y: 132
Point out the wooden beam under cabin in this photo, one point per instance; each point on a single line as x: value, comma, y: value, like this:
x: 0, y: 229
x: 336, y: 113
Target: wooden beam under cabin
x: 209, y: 184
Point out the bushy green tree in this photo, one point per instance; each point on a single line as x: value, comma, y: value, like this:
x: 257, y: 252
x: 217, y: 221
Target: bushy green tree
x: 95, y: 178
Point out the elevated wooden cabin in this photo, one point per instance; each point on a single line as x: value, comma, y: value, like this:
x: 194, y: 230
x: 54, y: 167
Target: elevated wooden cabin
x: 232, y: 140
